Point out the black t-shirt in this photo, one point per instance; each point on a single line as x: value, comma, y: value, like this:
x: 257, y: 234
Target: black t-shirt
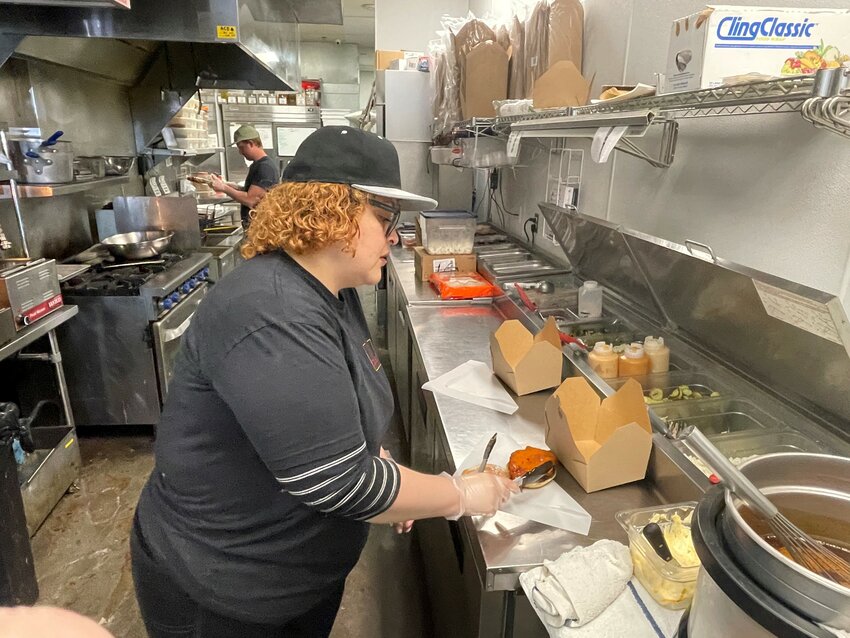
x: 267, y: 449
x: 261, y: 173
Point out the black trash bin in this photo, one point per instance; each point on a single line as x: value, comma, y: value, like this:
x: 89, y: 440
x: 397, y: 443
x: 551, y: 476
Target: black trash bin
x: 18, y: 585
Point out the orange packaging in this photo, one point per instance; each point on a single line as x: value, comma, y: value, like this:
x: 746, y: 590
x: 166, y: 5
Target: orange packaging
x: 462, y: 285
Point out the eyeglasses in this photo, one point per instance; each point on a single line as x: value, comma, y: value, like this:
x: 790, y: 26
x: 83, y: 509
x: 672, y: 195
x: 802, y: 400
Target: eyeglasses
x: 389, y: 222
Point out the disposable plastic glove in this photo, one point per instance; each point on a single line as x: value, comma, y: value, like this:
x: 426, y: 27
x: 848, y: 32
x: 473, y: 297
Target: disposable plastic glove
x: 481, y: 493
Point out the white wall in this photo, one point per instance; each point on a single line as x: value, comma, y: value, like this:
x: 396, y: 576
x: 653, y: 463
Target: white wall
x: 767, y: 191
x: 401, y: 24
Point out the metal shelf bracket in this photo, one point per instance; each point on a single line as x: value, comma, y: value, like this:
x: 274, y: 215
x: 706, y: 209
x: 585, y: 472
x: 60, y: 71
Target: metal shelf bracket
x: 666, y: 151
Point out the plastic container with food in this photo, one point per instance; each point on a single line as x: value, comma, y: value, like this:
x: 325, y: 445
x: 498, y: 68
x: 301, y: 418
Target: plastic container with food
x: 671, y: 583
x: 447, y: 232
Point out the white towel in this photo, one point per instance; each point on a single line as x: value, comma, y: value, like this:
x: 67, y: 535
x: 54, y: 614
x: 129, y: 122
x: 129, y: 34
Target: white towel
x: 578, y: 586
x: 630, y: 612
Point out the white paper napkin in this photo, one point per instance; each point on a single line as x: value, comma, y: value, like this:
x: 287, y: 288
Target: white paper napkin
x: 549, y: 505
x: 474, y: 382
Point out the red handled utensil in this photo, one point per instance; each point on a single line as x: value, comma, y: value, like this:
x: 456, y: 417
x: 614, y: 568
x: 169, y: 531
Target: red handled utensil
x: 525, y: 298
x: 572, y: 342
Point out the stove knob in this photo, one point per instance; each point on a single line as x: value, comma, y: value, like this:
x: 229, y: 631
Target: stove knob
x: 175, y: 297
x: 186, y: 288
x: 205, y: 274
x: 166, y: 304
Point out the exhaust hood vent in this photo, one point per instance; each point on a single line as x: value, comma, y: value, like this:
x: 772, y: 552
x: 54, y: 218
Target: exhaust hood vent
x: 267, y: 31
x: 185, y: 45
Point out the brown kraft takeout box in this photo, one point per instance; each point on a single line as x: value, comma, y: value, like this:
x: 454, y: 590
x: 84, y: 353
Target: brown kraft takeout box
x: 424, y: 263
x: 561, y: 85
x: 527, y: 363
x: 601, y: 443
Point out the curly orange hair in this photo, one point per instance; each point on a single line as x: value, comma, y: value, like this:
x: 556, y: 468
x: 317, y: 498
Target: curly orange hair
x: 302, y: 217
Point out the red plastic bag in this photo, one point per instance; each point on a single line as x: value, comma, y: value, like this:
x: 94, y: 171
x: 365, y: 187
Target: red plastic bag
x: 462, y: 285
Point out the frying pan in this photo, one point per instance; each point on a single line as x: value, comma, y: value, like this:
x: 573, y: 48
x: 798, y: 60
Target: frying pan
x: 138, y: 245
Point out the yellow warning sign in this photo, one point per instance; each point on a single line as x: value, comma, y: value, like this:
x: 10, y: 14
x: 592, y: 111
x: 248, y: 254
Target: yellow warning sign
x: 225, y: 32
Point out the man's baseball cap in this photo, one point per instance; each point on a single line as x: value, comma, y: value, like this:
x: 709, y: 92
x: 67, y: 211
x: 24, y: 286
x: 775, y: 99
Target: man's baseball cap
x: 245, y: 132
x: 346, y: 155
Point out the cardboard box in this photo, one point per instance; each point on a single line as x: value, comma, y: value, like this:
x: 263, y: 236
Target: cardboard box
x: 561, y: 85
x: 425, y: 264
x: 397, y: 60
x: 527, y: 363
x: 384, y: 58
x: 725, y: 41
x: 485, y: 79
x: 602, y: 444
x: 566, y: 28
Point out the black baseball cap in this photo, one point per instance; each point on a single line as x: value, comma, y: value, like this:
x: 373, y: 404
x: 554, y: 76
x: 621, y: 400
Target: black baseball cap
x: 346, y: 155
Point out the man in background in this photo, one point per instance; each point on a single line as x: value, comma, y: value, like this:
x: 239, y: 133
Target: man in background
x: 262, y: 174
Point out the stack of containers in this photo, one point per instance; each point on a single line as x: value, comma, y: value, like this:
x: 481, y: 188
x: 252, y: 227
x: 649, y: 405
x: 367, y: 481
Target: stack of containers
x: 447, y: 238
x: 189, y: 126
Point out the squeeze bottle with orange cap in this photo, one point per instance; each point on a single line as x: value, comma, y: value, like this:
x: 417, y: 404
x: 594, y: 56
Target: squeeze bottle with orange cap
x: 604, y: 361
x: 634, y: 362
x: 658, y: 353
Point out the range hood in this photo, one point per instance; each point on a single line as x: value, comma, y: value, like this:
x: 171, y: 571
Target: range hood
x: 168, y: 49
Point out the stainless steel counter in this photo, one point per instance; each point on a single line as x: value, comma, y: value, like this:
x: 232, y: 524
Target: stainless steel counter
x: 31, y: 333
x: 446, y: 338
x: 472, y: 566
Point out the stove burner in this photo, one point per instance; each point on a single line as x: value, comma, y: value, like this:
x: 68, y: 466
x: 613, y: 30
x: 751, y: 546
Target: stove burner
x: 118, y: 280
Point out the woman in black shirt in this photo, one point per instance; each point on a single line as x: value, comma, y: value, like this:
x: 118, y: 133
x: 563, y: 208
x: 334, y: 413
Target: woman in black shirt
x: 268, y: 455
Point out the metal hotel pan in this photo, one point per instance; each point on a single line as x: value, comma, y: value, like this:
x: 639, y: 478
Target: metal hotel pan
x: 718, y: 416
x: 759, y: 442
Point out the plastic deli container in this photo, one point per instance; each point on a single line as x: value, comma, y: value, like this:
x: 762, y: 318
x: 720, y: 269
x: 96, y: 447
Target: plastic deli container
x: 447, y: 232
x: 671, y: 583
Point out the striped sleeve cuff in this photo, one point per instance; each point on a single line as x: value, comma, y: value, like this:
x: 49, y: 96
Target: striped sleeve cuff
x: 354, y: 485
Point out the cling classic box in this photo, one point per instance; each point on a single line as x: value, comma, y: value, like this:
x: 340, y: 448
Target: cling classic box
x: 723, y: 41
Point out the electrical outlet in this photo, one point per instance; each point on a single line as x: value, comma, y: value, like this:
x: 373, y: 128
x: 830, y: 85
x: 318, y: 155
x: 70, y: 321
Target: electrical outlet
x: 494, y: 180
x: 533, y: 224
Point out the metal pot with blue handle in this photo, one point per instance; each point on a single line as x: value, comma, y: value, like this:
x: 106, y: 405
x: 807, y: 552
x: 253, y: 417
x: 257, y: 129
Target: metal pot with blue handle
x: 43, y: 161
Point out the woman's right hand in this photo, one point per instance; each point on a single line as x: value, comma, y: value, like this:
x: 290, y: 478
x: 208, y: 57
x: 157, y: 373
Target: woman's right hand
x: 482, y: 493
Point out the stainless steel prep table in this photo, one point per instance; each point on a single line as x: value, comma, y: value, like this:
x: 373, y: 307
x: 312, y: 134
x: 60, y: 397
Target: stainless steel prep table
x: 479, y: 559
x: 472, y: 566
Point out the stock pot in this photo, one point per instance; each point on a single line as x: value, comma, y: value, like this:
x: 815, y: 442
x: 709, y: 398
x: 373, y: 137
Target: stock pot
x: 745, y: 586
x: 41, y: 161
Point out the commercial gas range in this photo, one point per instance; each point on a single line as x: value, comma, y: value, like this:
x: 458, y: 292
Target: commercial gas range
x: 119, y: 354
